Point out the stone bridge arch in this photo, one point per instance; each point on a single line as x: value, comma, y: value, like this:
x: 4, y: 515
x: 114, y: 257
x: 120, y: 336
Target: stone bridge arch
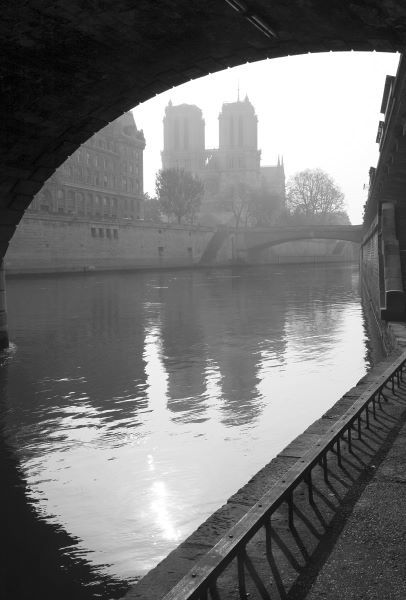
x: 259, y: 239
x: 254, y: 242
x: 250, y: 242
x: 70, y: 68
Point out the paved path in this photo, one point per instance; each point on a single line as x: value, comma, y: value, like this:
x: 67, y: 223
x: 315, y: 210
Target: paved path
x: 369, y: 559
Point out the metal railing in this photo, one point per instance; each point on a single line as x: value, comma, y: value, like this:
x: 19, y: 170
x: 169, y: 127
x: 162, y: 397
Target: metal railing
x: 200, y: 582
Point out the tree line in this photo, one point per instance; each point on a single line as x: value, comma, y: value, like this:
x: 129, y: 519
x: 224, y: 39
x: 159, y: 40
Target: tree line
x: 312, y: 197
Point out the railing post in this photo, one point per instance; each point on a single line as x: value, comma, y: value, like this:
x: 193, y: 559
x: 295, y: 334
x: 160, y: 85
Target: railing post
x: 349, y: 438
x: 325, y: 470
x: 241, y: 574
x: 338, y: 452
x: 290, y: 511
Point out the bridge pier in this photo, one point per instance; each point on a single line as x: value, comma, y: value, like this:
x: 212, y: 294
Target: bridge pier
x: 4, y: 339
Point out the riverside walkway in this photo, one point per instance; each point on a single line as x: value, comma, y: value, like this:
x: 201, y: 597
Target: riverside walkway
x: 339, y: 533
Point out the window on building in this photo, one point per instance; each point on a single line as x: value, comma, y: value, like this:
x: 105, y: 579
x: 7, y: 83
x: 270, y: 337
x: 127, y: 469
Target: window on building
x: 46, y: 201
x: 240, y: 131
x: 190, y: 252
x: 70, y: 202
x: 89, y: 204
x: 93, y: 231
x: 115, y: 234
x: 160, y: 250
x: 108, y: 233
x: 80, y: 203
x: 176, y: 134
x: 114, y: 207
x: 101, y: 232
x: 231, y: 131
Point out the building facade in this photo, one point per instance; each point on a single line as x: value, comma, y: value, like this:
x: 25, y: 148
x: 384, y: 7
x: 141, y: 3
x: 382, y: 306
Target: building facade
x: 229, y: 171
x: 103, y: 179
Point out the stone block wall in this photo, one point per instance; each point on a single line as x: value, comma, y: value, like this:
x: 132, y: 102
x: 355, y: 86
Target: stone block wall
x: 369, y: 264
x: 44, y: 244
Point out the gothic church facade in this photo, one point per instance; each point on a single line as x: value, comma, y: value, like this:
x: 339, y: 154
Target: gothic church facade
x: 232, y: 169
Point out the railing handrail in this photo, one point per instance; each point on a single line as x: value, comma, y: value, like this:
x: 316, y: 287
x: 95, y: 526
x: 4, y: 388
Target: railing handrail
x: 209, y: 567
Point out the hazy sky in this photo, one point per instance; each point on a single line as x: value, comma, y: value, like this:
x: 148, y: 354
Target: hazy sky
x: 319, y: 110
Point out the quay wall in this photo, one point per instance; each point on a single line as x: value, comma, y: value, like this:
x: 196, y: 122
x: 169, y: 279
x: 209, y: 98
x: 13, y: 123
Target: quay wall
x: 370, y: 267
x: 68, y: 244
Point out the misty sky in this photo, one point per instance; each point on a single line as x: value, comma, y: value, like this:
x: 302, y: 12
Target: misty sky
x: 319, y: 110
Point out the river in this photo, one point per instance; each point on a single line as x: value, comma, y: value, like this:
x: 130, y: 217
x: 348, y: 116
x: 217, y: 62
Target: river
x: 135, y: 404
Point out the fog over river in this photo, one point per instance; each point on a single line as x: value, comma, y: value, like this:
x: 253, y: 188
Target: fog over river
x: 135, y: 404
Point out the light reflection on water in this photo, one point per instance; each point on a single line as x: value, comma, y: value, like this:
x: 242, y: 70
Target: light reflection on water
x: 138, y: 403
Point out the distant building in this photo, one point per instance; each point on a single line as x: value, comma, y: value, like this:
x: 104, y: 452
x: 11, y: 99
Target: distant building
x: 103, y: 179
x: 236, y: 163
x: 184, y: 142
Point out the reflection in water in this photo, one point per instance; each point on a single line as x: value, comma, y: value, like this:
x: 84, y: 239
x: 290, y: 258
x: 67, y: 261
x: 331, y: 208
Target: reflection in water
x: 135, y: 404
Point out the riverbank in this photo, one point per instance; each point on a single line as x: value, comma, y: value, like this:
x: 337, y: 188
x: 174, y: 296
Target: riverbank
x: 299, y: 556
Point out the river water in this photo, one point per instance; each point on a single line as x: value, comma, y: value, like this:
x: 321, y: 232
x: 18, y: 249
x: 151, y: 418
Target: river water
x: 135, y: 404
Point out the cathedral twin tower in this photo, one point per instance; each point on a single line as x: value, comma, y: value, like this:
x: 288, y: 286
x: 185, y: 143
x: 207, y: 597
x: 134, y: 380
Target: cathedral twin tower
x: 237, y: 159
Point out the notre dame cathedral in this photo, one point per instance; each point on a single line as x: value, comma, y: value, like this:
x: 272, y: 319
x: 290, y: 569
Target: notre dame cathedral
x: 232, y: 169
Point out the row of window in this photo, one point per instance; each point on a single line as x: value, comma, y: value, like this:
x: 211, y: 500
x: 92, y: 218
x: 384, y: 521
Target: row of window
x: 161, y: 251
x: 72, y: 202
x: 90, y: 159
x: 235, y: 162
x: 83, y: 175
x: 104, y: 232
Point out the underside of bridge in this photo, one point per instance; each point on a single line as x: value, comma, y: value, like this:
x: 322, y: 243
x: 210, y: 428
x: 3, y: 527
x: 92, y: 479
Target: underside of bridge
x: 69, y: 68
x: 258, y: 239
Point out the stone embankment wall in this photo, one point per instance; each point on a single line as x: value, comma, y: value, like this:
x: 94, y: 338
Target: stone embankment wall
x: 69, y: 244
x: 43, y: 244
x: 369, y: 265
x: 381, y: 266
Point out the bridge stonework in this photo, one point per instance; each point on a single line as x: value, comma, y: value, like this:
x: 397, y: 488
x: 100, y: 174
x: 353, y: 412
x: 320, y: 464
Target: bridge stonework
x: 257, y: 239
x: 249, y: 243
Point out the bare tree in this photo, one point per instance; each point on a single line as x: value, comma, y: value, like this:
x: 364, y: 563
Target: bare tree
x: 179, y: 194
x: 237, y: 198
x: 152, y: 210
x: 314, y: 194
x: 266, y: 208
